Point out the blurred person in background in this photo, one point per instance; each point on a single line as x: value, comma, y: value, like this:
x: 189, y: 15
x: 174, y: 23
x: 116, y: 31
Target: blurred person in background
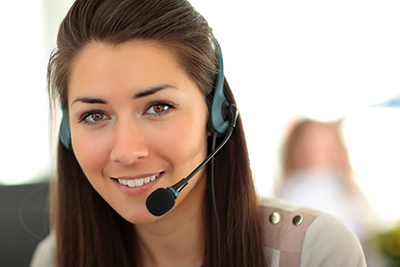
x: 316, y: 173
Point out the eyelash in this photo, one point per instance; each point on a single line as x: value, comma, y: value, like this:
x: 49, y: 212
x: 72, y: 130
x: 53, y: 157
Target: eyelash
x: 86, y: 115
x: 167, y: 107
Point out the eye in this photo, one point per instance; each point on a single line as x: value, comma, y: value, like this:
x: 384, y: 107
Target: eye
x: 159, y: 108
x: 93, y: 117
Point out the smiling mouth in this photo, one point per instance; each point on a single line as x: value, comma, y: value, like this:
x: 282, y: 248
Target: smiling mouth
x: 138, y: 182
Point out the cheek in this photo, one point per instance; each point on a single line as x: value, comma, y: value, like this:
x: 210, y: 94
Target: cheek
x: 90, y: 152
x: 182, y: 139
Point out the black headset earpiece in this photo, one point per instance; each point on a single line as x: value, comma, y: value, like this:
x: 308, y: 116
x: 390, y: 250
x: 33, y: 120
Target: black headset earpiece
x: 65, y: 134
x: 219, y: 108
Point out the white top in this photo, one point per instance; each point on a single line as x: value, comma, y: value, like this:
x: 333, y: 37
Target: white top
x: 319, y: 240
x: 322, y: 189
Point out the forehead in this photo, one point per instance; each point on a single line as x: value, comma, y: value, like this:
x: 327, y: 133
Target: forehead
x: 130, y: 66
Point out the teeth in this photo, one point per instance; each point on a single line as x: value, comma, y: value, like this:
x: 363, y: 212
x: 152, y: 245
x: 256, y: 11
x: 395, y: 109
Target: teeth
x: 138, y: 182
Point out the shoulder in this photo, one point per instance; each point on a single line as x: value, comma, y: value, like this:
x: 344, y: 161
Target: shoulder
x: 44, y: 253
x: 328, y: 241
x: 297, y: 236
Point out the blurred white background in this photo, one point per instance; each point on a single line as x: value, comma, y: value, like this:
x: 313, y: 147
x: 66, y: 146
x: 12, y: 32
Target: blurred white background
x: 283, y: 59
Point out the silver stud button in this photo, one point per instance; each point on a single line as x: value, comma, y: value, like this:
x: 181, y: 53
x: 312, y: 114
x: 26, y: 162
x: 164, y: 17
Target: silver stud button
x: 297, y: 220
x: 275, y: 218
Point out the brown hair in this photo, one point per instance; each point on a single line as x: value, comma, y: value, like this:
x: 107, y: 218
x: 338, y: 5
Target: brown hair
x: 89, y: 232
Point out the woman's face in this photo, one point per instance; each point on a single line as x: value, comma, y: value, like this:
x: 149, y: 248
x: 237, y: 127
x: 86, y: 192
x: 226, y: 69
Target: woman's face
x: 138, y: 122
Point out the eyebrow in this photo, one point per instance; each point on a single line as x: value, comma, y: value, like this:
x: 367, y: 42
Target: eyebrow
x: 144, y: 93
x: 89, y: 100
x: 153, y: 90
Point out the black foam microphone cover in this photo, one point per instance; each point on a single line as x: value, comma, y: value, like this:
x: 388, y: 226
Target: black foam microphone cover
x: 160, y: 201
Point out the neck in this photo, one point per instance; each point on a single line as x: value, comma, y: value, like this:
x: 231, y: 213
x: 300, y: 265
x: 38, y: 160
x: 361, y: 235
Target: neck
x: 177, y: 239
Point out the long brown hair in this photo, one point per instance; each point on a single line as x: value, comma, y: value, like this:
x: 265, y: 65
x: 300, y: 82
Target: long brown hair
x: 89, y: 232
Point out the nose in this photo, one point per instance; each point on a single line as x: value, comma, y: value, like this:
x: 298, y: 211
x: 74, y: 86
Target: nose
x: 129, y: 143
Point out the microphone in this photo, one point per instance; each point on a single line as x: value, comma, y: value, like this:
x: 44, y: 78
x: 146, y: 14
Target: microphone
x: 162, y: 200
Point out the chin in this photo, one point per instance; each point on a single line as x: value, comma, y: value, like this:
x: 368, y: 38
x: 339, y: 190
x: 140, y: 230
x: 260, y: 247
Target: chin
x: 142, y: 219
x: 137, y: 215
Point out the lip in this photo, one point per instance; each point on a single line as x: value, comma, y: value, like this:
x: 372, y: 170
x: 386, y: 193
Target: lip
x: 135, y: 191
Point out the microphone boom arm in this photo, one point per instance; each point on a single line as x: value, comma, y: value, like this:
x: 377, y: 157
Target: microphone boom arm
x: 176, y: 188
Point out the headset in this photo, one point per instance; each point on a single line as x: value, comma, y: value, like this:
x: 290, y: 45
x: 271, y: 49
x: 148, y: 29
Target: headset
x: 219, y: 113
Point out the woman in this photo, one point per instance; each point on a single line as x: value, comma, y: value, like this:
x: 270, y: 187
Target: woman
x: 136, y: 79
x: 316, y: 172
